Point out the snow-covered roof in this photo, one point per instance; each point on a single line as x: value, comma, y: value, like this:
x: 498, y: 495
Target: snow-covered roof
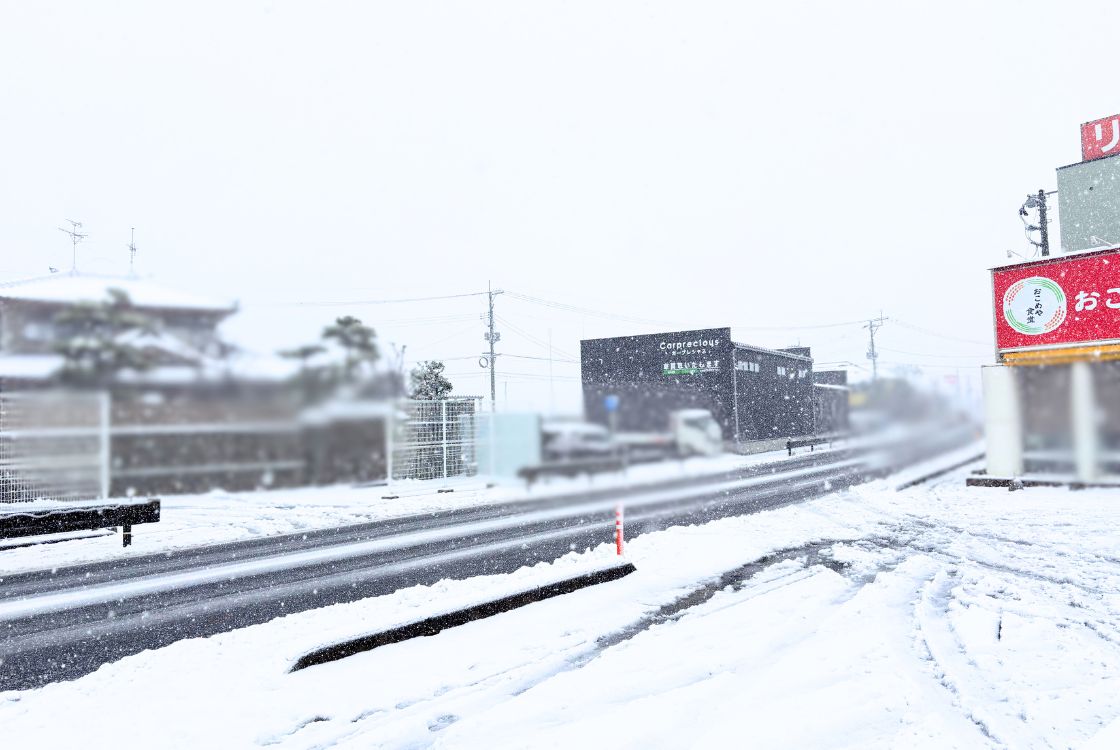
x: 29, y: 366
x: 241, y: 365
x: 67, y: 288
x: 160, y: 341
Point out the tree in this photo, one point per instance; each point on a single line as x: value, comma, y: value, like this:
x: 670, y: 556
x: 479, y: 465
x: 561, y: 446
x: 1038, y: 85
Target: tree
x: 428, y: 383
x: 303, y: 353
x: 313, y: 381
x: 98, y: 340
x: 358, y: 341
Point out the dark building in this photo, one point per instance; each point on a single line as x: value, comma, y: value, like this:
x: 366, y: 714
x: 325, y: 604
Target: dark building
x: 754, y: 393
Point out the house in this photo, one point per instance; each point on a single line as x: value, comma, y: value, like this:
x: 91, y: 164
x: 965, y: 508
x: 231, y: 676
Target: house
x: 185, y: 335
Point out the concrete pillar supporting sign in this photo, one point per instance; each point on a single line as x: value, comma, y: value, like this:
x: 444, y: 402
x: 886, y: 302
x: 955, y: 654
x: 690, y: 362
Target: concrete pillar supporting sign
x: 1083, y: 415
x: 1003, y: 424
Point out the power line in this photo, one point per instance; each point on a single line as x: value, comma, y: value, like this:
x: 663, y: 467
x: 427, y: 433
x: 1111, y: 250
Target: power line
x: 927, y: 364
x: 833, y: 363
x: 962, y: 357
x: 456, y: 334
x: 513, y: 375
x: 651, y: 321
x: 340, y: 303
x: 543, y: 359
x: 928, y: 332
x: 802, y: 328
x: 533, y: 339
x: 503, y: 354
x: 587, y: 310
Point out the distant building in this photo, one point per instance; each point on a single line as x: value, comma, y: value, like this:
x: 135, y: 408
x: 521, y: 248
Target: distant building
x: 753, y: 393
x: 185, y: 347
x: 205, y: 414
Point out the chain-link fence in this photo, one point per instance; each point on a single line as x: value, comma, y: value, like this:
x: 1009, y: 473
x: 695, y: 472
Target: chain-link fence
x: 434, y: 439
x: 53, y: 446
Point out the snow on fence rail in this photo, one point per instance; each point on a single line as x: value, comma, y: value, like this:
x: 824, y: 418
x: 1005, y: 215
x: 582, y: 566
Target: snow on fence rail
x: 53, y: 446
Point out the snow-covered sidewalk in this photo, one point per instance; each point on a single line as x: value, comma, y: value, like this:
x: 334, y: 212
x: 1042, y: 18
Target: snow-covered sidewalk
x: 935, y: 617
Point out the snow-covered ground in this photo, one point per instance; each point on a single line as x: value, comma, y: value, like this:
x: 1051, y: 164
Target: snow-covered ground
x: 940, y: 616
x: 215, y: 517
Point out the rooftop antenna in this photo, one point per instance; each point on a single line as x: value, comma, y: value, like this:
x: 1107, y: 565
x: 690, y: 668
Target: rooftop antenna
x: 132, y: 254
x: 75, y: 238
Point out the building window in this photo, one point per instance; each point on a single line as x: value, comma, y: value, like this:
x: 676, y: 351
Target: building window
x: 36, y: 331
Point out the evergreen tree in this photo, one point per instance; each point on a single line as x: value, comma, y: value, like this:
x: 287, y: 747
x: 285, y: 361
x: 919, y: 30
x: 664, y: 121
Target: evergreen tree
x: 428, y: 382
x: 358, y: 341
x: 98, y: 340
x: 313, y: 381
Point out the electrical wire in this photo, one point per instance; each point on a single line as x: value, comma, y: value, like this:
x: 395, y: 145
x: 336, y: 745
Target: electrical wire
x: 920, y: 365
x: 341, y: 303
x: 935, y: 356
x: 456, y: 334
x: 542, y: 359
x: 651, y: 321
x: 530, y: 337
x: 928, y: 332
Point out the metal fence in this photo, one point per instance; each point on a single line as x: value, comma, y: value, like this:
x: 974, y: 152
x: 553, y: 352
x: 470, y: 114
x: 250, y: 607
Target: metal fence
x: 53, y: 446
x: 434, y: 439
x: 64, y: 445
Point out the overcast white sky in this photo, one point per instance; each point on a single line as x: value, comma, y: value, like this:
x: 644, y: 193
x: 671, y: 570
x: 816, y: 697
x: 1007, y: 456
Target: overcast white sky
x: 704, y: 164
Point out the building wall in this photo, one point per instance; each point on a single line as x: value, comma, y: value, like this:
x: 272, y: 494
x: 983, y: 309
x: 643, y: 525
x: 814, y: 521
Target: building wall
x: 775, y: 393
x: 1089, y: 204
x: 655, y: 374
x: 753, y: 393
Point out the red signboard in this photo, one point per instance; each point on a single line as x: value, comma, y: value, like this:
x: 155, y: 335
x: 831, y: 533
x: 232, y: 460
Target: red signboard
x: 1063, y: 301
x: 1100, y: 138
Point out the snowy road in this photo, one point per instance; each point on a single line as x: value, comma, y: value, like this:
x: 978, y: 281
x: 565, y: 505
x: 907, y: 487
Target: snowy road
x: 59, y: 626
x: 938, y: 617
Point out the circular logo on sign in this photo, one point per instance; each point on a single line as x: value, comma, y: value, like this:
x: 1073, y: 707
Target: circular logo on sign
x: 1034, y: 306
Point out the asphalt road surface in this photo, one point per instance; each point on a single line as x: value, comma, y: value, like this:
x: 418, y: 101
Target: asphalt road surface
x: 65, y: 623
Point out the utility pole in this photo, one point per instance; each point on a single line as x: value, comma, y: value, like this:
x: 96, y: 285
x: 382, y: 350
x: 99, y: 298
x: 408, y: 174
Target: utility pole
x: 551, y: 388
x: 132, y: 254
x: 1045, y: 239
x: 873, y: 325
x: 400, y: 368
x: 493, y: 337
x: 1037, y: 201
x: 75, y: 237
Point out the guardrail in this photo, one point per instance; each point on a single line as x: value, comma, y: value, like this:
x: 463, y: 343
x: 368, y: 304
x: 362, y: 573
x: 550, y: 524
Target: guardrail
x: 810, y: 442
x: 36, y: 520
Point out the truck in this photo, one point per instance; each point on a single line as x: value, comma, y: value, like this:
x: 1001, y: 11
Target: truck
x: 691, y: 432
